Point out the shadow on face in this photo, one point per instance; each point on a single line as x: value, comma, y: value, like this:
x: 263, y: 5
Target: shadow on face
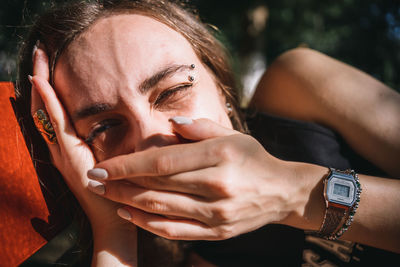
x: 122, y: 79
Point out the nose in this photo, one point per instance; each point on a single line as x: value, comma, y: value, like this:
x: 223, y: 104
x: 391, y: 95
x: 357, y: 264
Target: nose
x: 154, y: 132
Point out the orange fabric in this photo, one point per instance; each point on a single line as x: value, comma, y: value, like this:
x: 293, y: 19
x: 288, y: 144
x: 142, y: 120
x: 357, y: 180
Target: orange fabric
x: 21, y: 198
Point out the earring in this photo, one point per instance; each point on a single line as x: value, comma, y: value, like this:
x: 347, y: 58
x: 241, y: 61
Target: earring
x: 229, y: 108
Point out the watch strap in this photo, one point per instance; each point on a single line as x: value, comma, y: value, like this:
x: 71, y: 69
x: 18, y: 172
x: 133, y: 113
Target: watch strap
x: 333, y: 219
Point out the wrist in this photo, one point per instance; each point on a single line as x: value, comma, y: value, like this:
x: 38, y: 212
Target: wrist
x: 115, y: 245
x: 308, y: 209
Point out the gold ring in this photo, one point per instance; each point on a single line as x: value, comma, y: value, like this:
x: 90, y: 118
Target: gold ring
x: 44, y: 126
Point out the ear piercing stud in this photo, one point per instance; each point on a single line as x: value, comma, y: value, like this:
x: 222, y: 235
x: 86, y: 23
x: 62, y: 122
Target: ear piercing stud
x: 229, y: 108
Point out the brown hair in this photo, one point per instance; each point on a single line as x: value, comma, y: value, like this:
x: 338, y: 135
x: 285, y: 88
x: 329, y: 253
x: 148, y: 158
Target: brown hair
x: 57, y: 28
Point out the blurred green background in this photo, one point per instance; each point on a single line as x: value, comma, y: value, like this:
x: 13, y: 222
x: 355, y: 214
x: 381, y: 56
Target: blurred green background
x: 363, y: 33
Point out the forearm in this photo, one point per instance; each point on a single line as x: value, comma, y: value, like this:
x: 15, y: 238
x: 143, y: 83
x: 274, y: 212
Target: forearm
x: 377, y: 219
x: 115, y: 247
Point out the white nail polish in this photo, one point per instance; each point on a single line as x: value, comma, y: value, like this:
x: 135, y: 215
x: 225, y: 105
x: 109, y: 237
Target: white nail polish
x: 34, y: 52
x: 182, y: 120
x: 35, y: 48
x: 96, y: 187
x: 124, y: 214
x: 97, y: 173
x: 30, y: 79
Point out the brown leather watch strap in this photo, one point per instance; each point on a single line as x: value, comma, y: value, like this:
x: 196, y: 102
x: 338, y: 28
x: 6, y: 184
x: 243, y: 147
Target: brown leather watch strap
x: 333, y: 219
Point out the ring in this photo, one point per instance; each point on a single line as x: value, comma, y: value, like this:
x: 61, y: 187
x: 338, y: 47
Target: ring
x: 44, y: 126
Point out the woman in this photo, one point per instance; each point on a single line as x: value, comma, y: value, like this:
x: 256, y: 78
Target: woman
x: 141, y: 104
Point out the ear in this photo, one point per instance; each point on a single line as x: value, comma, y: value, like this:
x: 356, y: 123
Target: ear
x: 224, y: 96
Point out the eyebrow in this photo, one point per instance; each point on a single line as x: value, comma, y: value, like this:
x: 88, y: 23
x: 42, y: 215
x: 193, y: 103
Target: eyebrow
x: 144, y: 87
x: 160, y: 75
x: 91, y: 110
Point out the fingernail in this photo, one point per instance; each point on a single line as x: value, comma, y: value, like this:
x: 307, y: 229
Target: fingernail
x: 96, y: 187
x: 30, y: 79
x: 124, y: 214
x: 97, y: 173
x: 35, y: 47
x: 181, y: 120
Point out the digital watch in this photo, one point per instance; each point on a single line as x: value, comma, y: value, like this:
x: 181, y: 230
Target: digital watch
x: 342, y: 191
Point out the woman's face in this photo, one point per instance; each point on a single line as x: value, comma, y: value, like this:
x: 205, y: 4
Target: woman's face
x: 125, y: 77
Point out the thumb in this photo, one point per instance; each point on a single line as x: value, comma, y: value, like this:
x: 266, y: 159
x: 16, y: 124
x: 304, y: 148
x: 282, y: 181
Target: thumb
x: 199, y: 129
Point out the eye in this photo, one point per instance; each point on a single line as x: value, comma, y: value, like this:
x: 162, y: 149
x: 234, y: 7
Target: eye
x: 103, y: 126
x: 172, y: 94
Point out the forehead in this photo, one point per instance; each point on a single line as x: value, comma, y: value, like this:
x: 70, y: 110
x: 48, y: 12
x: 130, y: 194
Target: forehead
x: 117, y: 51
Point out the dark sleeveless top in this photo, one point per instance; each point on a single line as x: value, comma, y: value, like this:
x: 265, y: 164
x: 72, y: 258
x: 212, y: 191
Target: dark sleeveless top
x: 278, y: 245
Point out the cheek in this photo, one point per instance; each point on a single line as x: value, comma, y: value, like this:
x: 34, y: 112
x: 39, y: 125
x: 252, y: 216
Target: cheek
x: 209, y: 104
x: 111, y: 144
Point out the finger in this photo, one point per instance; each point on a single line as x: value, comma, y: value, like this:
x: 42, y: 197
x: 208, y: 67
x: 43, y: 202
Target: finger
x: 42, y: 121
x: 152, y: 201
x: 64, y: 131
x: 175, y: 229
x: 203, y: 183
x: 180, y: 183
x: 44, y: 91
x: 199, y: 129
x: 40, y: 62
x: 158, y: 162
x: 40, y: 67
x: 36, y: 101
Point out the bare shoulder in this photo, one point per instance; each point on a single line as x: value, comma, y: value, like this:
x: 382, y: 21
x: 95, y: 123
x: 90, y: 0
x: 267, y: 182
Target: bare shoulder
x: 308, y: 85
x: 285, y: 88
x: 305, y: 84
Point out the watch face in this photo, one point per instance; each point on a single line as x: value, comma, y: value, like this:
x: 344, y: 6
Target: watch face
x: 341, y: 189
